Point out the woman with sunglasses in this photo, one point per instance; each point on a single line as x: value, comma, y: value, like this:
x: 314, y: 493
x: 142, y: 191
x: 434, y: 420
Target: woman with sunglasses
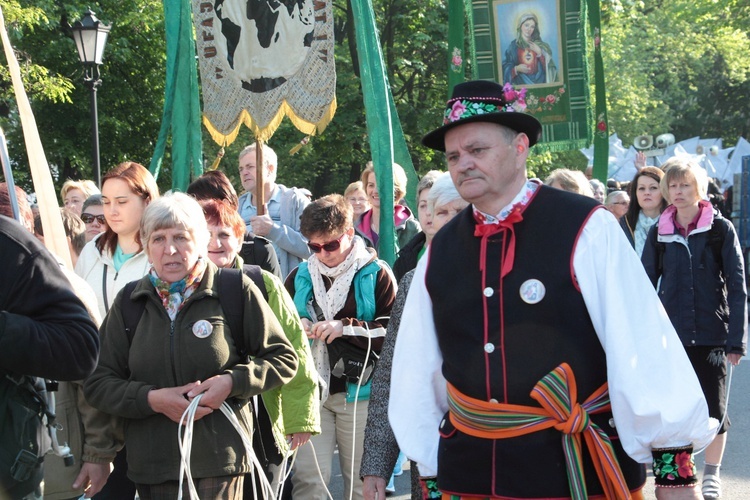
x: 92, y: 214
x: 344, y: 295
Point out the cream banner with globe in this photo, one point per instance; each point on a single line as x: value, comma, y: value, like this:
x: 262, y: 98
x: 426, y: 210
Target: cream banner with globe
x: 261, y: 60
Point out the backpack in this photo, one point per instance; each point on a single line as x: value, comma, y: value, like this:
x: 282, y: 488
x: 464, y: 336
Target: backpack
x: 24, y: 433
x: 230, y: 298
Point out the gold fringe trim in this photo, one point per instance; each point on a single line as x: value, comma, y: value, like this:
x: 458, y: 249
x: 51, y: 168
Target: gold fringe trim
x: 264, y: 134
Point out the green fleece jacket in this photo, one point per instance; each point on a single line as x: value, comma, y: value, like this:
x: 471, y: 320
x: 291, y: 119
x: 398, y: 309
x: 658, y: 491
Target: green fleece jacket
x: 166, y: 353
x: 293, y: 407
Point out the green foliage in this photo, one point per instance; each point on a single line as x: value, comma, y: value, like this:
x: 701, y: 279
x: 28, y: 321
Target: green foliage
x: 679, y: 66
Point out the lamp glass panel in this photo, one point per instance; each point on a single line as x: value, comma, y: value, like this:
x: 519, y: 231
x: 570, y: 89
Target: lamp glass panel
x: 101, y: 42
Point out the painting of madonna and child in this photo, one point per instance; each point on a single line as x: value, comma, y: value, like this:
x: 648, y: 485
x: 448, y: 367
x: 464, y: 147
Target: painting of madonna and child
x: 529, y: 42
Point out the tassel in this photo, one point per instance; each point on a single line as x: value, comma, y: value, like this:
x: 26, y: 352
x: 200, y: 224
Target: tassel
x: 216, y: 162
x: 299, y: 146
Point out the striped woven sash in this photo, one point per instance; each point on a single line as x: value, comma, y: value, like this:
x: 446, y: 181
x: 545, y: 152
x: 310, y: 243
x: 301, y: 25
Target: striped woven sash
x: 557, y: 395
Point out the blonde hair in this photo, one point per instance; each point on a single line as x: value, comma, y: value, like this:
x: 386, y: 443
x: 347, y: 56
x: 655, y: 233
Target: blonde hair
x: 87, y: 187
x: 677, y: 169
x: 354, y: 186
x: 571, y: 180
x: 399, y: 180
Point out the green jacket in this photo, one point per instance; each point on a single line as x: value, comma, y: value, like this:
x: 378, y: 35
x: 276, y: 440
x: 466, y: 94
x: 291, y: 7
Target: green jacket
x: 166, y: 353
x: 292, y: 407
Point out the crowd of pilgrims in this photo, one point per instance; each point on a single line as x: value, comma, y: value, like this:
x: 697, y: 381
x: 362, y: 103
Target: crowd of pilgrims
x: 315, y: 305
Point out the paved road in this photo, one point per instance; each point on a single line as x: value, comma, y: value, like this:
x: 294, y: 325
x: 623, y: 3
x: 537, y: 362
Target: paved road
x: 735, y: 470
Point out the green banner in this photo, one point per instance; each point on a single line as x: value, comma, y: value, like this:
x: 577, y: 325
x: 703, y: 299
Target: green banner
x: 539, y: 45
x: 181, y: 113
x: 387, y: 142
x: 601, y: 134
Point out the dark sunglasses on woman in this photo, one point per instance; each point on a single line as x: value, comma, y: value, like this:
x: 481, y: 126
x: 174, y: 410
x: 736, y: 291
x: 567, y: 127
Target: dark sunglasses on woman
x: 331, y: 246
x: 89, y: 218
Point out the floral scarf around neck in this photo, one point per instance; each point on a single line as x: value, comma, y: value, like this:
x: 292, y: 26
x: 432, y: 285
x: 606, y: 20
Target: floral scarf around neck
x: 173, y: 295
x: 333, y: 300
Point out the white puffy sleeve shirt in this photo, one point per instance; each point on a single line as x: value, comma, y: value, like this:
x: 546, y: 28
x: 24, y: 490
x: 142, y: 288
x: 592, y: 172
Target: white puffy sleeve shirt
x: 656, y: 399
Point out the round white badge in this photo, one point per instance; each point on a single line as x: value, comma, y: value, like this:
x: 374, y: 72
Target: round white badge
x: 202, y: 329
x: 532, y: 291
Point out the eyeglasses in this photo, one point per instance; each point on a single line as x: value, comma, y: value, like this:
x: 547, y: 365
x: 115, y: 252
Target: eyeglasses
x: 89, y: 218
x: 621, y: 203
x: 331, y: 246
x: 357, y: 200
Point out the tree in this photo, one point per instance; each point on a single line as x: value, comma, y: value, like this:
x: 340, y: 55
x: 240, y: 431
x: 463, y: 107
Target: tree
x: 129, y: 100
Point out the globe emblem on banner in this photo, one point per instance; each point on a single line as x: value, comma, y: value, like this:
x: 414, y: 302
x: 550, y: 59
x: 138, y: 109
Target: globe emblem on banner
x: 267, y: 41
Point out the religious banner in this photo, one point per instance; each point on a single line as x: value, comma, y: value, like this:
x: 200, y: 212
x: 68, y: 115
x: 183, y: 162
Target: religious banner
x: 539, y: 48
x: 261, y: 60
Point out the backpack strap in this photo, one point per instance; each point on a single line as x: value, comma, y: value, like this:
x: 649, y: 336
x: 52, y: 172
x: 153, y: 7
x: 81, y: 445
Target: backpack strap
x: 132, y: 310
x: 230, y: 297
x: 229, y: 283
x: 255, y: 273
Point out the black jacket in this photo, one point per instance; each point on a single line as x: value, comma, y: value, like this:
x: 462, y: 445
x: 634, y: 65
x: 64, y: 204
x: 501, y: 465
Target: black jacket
x: 258, y: 251
x: 702, y: 282
x: 408, y: 256
x: 45, y: 331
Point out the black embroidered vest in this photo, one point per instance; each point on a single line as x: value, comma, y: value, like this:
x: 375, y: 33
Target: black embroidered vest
x: 497, y: 345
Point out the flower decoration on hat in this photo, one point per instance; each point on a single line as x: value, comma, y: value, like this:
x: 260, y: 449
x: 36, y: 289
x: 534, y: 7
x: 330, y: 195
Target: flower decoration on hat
x: 459, y: 109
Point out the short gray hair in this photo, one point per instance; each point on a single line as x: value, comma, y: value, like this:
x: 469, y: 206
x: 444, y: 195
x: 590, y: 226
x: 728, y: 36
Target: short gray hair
x: 176, y: 210
x: 269, y: 156
x: 443, y: 191
x: 427, y: 181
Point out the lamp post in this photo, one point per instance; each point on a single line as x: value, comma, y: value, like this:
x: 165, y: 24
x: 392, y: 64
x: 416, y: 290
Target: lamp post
x: 90, y: 36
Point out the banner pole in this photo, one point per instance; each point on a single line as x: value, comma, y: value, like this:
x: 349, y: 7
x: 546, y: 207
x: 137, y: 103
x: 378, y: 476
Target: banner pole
x: 260, y: 179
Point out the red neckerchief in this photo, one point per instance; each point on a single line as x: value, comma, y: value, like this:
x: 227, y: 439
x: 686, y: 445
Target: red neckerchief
x: 484, y: 231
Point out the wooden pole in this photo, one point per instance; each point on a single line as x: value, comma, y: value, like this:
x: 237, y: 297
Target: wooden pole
x: 260, y: 191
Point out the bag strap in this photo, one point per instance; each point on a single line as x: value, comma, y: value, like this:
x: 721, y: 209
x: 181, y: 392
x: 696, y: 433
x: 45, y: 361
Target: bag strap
x: 131, y: 310
x: 255, y: 273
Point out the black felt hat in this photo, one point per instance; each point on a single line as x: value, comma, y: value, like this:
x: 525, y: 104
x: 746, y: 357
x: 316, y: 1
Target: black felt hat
x: 485, y: 101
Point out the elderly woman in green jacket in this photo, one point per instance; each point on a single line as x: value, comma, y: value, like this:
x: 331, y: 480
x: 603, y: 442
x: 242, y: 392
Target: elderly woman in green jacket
x: 183, y: 347
x: 288, y: 415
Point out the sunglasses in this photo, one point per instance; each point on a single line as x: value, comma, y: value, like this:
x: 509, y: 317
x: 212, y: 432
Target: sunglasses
x: 89, y: 218
x: 331, y: 246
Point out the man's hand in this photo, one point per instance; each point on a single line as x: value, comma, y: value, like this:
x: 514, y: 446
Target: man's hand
x: 172, y: 402
x: 92, y: 478
x: 734, y: 358
x: 374, y: 488
x: 686, y: 493
x: 261, y: 224
x: 298, y: 439
x: 215, y: 391
x: 328, y: 330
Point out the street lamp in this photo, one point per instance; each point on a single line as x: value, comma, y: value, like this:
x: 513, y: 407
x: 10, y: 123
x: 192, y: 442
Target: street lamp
x: 90, y: 36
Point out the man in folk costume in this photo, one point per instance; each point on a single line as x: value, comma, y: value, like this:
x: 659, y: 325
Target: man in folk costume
x: 535, y: 377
